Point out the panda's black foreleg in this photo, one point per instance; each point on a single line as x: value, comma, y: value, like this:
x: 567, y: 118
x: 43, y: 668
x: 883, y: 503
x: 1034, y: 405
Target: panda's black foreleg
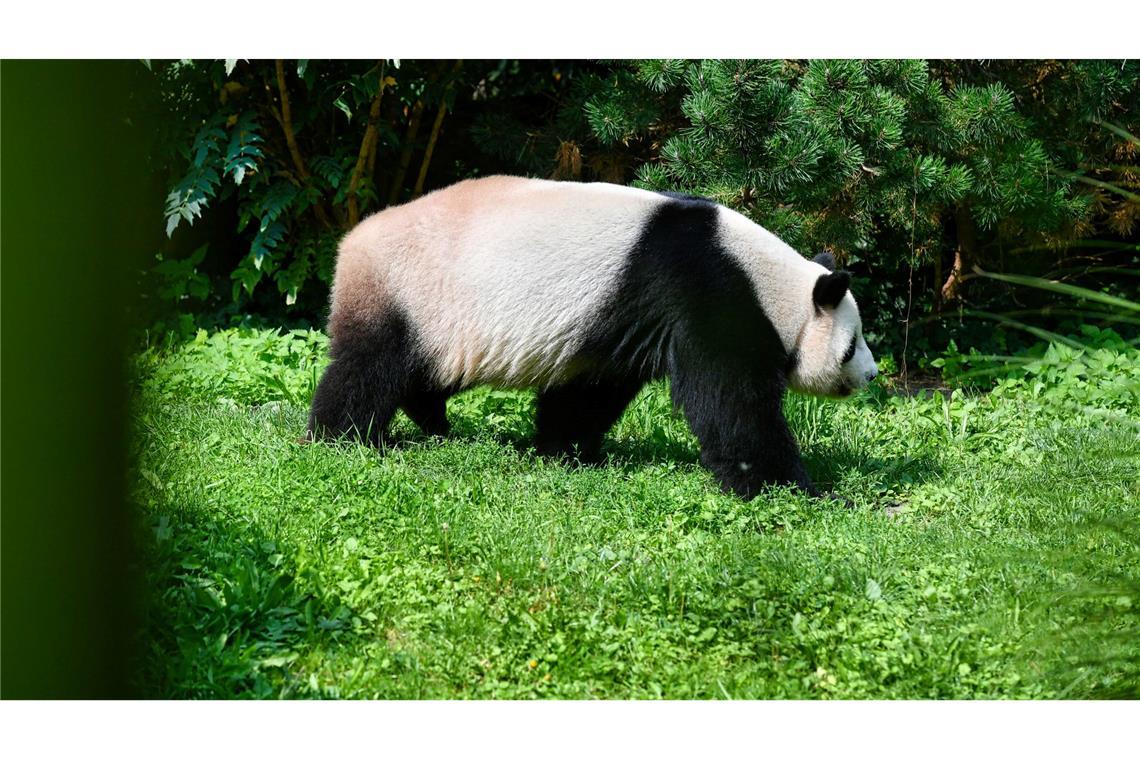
x: 365, y: 383
x: 428, y: 409
x: 763, y: 457
x: 572, y: 419
x: 739, y: 422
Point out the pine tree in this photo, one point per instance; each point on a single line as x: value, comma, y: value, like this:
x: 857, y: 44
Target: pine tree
x: 899, y: 167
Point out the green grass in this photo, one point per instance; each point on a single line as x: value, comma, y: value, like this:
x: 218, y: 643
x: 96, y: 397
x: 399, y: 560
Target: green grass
x: 468, y: 568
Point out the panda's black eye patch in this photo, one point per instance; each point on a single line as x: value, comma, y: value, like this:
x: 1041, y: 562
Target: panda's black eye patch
x: 850, y: 349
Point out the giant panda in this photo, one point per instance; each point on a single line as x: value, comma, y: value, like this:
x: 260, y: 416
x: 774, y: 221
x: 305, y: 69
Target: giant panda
x: 586, y: 291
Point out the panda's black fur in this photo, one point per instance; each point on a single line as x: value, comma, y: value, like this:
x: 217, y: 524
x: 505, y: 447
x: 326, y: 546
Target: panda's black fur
x: 683, y: 308
x: 375, y: 370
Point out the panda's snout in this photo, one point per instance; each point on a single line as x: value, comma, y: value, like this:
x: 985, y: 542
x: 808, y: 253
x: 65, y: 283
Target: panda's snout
x: 871, y: 374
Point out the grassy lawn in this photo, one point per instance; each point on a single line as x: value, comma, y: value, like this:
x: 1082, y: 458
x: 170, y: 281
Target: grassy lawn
x: 992, y: 551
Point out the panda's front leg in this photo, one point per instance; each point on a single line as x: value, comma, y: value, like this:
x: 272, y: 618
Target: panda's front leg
x: 765, y: 456
x: 739, y: 422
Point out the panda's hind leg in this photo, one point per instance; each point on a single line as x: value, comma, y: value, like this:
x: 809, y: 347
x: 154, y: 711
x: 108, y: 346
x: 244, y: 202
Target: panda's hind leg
x: 428, y: 409
x: 571, y: 419
x: 365, y: 383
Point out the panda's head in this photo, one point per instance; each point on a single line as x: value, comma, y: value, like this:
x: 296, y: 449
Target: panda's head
x: 830, y: 356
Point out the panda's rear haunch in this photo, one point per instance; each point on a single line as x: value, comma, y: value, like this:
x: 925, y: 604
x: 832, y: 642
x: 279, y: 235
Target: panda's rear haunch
x: 586, y: 292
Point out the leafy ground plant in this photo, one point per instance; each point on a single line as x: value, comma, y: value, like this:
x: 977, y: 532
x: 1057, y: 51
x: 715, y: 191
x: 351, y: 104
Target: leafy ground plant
x: 468, y: 568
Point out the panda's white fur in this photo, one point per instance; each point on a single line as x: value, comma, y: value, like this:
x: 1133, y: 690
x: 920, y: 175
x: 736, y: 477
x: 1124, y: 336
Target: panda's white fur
x: 485, y: 317
x: 510, y: 281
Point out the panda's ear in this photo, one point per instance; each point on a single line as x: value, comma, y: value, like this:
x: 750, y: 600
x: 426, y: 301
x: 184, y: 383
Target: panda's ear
x: 830, y: 288
x: 826, y: 259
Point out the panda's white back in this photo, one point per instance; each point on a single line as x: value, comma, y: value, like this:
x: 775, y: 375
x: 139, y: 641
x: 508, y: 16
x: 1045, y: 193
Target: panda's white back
x: 498, y: 276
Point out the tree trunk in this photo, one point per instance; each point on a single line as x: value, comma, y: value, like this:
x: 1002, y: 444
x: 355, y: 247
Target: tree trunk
x: 291, y: 139
x: 366, y: 154
x: 435, y: 127
x: 434, y: 136
x: 964, y: 257
x: 938, y: 282
x: 397, y: 186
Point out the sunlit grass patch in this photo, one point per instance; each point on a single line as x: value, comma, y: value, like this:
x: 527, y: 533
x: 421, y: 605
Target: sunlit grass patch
x: 467, y: 567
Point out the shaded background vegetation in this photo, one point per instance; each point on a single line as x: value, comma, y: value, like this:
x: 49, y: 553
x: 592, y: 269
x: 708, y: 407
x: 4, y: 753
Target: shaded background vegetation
x: 912, y: 172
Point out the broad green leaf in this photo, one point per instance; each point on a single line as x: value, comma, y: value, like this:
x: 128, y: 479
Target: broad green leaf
x: 1062, y: 287
x: 339, y: 103
x: 279, y: 660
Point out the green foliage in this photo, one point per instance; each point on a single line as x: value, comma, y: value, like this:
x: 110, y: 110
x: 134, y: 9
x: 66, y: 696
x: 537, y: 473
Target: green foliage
x: 180, y: 278
x: 849, y: 155
x: 240, y: 366
x: 278, y: 200
x: 299, y: 177
x: 979, y: 563
x: 194, y: 191
x: 1109, y: 612
x: 1102, y: 370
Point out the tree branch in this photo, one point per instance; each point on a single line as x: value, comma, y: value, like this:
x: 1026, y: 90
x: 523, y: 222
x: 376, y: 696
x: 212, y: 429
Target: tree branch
x: 435, y: 127
x: 286, y: 121
x: 406, y: 153
x: 366, y: 155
